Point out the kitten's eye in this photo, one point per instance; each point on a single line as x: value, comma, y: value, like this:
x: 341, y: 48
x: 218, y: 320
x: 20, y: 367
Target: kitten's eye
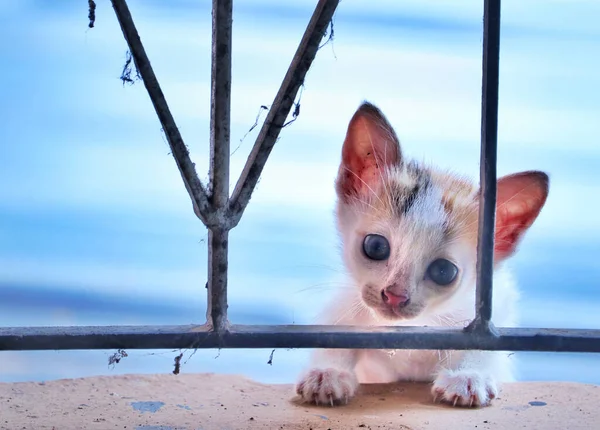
x: 376, y: 247
x: 442, y: 272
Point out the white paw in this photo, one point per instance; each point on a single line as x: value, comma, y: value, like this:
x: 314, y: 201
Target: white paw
x: 327, y: 386
x: 464, y: 388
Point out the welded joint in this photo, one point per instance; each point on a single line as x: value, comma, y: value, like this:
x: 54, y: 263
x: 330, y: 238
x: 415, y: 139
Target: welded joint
x: 480, y: 326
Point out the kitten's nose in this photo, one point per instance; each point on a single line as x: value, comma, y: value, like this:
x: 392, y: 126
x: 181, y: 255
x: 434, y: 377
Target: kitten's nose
x: 394, y: 298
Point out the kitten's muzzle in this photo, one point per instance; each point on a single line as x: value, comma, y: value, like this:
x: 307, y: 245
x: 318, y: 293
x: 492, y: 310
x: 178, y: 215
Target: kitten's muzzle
x: 394, y: 297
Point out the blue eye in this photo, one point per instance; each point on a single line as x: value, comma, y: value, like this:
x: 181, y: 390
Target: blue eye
x: 442, y: 272
x: 376, y: 247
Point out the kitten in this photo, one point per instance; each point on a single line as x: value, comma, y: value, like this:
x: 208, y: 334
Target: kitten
x: 409, y: 236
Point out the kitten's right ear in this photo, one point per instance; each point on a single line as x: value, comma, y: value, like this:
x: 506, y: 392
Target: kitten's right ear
x: 520, y: 199
x: 371, y: 144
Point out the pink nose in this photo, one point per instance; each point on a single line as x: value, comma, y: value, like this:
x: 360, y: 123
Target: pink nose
x: 393, y: 299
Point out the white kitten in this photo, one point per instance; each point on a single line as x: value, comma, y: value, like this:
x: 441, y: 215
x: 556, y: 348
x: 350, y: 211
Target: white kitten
x: 409, y: 235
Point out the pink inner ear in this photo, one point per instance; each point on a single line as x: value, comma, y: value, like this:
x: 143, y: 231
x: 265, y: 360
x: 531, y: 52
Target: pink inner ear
x: 370, y: 145
x: 520, y: 199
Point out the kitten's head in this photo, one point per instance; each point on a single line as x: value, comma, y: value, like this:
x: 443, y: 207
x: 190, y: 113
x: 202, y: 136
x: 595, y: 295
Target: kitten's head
x: 409, y: 232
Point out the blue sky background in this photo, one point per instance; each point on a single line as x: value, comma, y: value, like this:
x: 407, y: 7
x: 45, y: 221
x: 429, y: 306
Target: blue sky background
x: 95, y: 224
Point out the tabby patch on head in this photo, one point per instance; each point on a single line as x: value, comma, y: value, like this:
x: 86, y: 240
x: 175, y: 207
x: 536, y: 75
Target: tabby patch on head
x: 409, y: 231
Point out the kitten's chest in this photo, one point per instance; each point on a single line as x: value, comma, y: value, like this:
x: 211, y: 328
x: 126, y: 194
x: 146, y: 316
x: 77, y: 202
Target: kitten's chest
x: 383, y: 366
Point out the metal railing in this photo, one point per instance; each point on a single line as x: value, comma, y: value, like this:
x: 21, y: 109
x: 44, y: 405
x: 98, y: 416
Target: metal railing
x: 221, y: 212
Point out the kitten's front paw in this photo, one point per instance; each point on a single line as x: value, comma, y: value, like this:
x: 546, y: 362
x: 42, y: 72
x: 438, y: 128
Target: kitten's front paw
x: 327, y: 386
x: 464, y: 388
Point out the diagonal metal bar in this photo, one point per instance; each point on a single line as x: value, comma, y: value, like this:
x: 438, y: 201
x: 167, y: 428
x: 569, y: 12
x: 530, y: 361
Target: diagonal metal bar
x: 489, y: 137
x: 220, y: 122
x: 180, y: 152
x: 294, y: 336
x: 280, y: 109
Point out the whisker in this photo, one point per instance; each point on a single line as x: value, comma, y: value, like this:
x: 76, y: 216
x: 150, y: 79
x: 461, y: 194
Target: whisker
x: 351, y: 312
x: 367, y: 185
x: 380, y: 169
x: 365, y: 203
x: 329, y: 285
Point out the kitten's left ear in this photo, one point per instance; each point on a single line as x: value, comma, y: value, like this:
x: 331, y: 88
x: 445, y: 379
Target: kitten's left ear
x: 370, y: 145
x: 520, y: 198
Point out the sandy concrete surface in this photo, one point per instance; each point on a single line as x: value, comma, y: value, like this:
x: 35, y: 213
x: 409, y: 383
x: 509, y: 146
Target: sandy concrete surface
x: 208, y: 401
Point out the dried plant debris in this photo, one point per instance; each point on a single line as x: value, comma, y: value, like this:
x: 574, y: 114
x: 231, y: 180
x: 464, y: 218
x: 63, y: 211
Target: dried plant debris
x: 128, y: 70
x: 330, y: 36
x: 117, y: 357
x: 91, y: 13
x: 296, y: 112
x: 177, y: 364
x: 262, y: 108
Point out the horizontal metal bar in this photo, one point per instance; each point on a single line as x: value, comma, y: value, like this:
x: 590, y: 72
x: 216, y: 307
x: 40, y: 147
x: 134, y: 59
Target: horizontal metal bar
x: 296, y: 336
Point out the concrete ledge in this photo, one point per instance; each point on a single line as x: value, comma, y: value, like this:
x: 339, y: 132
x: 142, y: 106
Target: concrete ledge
x: 208, y: 401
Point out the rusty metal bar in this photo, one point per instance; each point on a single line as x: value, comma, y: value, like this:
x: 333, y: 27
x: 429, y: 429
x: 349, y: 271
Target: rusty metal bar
x: 220, y: 122
x: 180, y: 152
x: 220, y: 214
x: 216, y: 311
x: 489, y: 136
x: 280, y: 109
x: 241, y: 336
x: 220, y: 104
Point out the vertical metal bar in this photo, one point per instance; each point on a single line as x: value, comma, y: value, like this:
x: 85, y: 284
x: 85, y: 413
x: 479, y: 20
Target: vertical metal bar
x: 220, y: 121
x: 220, y: 103
x: 216, y: 313
x: 489, y: 137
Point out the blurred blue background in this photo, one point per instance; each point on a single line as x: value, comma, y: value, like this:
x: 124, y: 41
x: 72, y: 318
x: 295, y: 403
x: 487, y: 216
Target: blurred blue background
x: 95, y: 224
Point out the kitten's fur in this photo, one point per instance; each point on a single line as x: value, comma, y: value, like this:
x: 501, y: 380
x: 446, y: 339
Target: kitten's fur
x: 424, y: 214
